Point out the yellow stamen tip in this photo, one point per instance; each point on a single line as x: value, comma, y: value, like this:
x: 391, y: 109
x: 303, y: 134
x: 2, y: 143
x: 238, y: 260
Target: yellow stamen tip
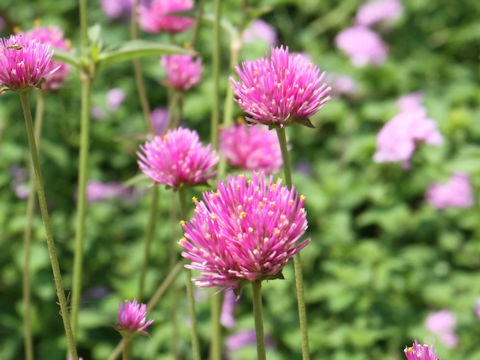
x: 17, y: 29
x: 240, y: 120
x: 243, y: 214
x: 37, y: 22
x: 277, y: 231
x: 302, y: 197
x: 182, y: 241
x: 182, y: 222
x: 214, y: 217
x: 186, y: 45
x: 194, y: 199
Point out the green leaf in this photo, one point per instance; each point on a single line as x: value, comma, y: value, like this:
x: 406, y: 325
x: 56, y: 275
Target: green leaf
x: 66, y: 57
x: 134, y: 49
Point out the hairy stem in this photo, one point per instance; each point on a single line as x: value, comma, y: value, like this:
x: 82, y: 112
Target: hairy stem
x: 257, y: 313
x: 57, y: 277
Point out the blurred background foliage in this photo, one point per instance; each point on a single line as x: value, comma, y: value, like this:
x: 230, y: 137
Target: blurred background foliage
x: 381, y: 258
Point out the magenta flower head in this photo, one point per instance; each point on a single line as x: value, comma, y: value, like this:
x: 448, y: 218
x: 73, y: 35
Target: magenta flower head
x: 420, y: 352
x: 455, y: 193
x: 280, y: 90
x: 245, y: 231
x: 156, y: 18
x: 251, y: 148
x: 183, y: 72
x: 177, y: 159
x: 52, y: 36
x: 132, y: 318
x: 23, y: 63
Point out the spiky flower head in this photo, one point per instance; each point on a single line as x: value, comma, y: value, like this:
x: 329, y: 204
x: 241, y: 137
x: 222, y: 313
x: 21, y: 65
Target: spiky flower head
x: 132, y: 318
x: 420, y: 352
x: 52, y: 36
x: 23, y: 63
x: 245, y: 231
x: 183, y: 71
x: 155, y: 18
x: 253, y: 148
x: 281, y: 89
x: 177, y: 159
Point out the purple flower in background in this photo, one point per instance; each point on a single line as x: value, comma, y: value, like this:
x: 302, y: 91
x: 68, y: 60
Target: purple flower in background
x: 229, y: 301
x: 420, y: 352
x: 260, y: 30
x: 410, y: 101
x: 155, y: 18
x: 19, y: 181
x: 132, y: 318
x: 115, y: 98
x: 183, y: 71
x: 377, y: 11
x: 97, y: 112
x: 341, y: 84
x: 70, y: 358
x: 244, y: 338
x: 477, y: 308
x: 159, y: 120
x: 442, y: 324
x: 117, y: 9
x: 362, y: 45
x: 456, y: 193
x: 98, y: 191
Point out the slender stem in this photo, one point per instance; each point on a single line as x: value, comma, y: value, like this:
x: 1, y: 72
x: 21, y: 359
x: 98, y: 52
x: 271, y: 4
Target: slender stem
x: 188, y: 275
x: 257, y: 313
x: 83, y: 22
x: 27, y: 239
x: 216, y: 343
x: 297, y: 264
x: 125, y: 349
x: 137, y: 69
x: 82, y: 199
x: 179, y: 110
x: 198, y: 21
x: 216, y: 74
x: 153, y: 301
x: 174, y: 290
x: 57, y: 277
x: 148, y: 239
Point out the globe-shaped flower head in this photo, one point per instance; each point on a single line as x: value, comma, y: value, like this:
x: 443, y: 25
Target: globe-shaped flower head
x: 177, y: 159
x: 183, y: 72
x: 280, y: 90
x: 420, y: 352
x: 23, y: 63
x: 155, y: 18
x: 245, y: 231
x: 132, y: 318
x: 52, y: 36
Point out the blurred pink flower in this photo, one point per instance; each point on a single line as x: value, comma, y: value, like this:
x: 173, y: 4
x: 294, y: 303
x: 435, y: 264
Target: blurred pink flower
x: 260, y: 30
x: 97, y: 112
x: 177, y: 159
x: 155, y: 18
x: 52, y: 36
x: 23, y: 63
x: 420, y: 352
x: 115, y: 98
x: 245, y: 231
x: 397, y: 140
x: 341, y: 84
x: 229, y: 301
x: 362, y: 45
x: 98, y: 191
x: 410, y: 101
x: 456, y: 192
x: 442, y: 324
x: 280, y: 90
x: 132, y: 318
x: 477, y: 308
x: 117, y: 9
x: 254, y: 148
x: 182, y: 71
x: 245, y: 338
x: 376, y: 11
x: 159, y: 120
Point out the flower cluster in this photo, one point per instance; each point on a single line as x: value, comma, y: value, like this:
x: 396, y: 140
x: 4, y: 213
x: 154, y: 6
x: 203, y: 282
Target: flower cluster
x: 183, y: 72
x: 252, y: 148
x: 457, y: 192
x: 155, y: 18
x: 177, y: 159
x: 23, y: 63
x: 52, y: 36
x: 420, y: 352
x: 245, y: 231
x: 132, y: 318
x: 280, y: 90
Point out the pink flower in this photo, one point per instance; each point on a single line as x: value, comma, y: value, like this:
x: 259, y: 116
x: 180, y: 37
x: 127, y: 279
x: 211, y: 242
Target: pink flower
x: 177, y: 159
x: 456, y: 192
x: 410, y: 101
x: 362, y: 46
x: 53, y: 37
x: 155, y: 18
x: 98, y: 191
x: 252, y: 148
x: 341, y: 84
x: 159, y: 120
x: 23, y: 63
x: 132, y: 318
x: 182, y: 71
x: 245, y: 231
x: 117, y: 9
x: 97, y: 113
x: 477, y: 308
x: 260, y: 30
x: 280, y: 90
x: 442, y: 324
x: 420, y: 352
x: 396, y: 141
x: 115, y: 98
x: 245, y: 338
x: 374, y: 12
x: 226, y: 317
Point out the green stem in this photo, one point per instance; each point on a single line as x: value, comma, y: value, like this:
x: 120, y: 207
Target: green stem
x: 83, y: 22
x: 125, y: 349
x: 297, y: 263
x: 152, y: 217
x: 27, y: 239
x: 216, y: 344
x: 257, y: 313
x: 82, y: 200
x: 188, y: 274
x: 57, y: 277
x: 216, y: 74
x: 137, y: 69
x: 198, y: 20
x: 153, y: 301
